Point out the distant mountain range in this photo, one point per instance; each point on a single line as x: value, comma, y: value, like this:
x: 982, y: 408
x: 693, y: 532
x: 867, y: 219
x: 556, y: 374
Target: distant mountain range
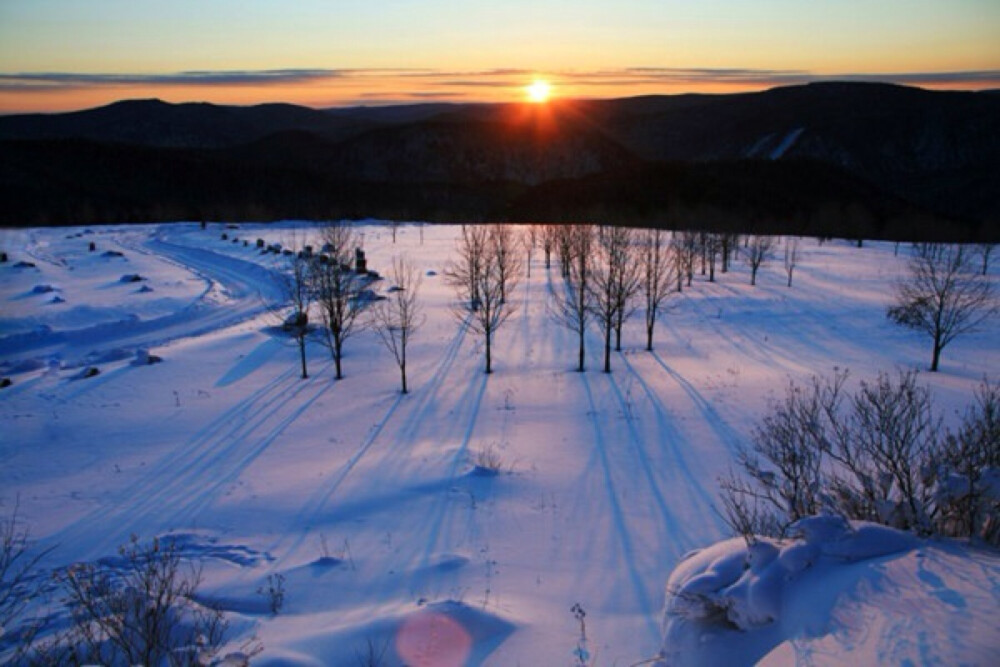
x: 830, y: 158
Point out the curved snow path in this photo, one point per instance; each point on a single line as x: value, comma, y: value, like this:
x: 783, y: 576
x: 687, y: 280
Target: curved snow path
x: 234, y: 439
x: 237, y: 290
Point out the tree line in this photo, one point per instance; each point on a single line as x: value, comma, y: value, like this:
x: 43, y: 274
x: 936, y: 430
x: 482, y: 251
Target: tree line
x: 608, y: 275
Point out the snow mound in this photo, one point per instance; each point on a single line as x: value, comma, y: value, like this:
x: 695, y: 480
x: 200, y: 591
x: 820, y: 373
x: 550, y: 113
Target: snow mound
x: 735, y: 586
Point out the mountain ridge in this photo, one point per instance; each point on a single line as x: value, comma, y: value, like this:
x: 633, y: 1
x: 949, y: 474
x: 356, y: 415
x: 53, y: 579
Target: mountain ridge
x: 936, y: 154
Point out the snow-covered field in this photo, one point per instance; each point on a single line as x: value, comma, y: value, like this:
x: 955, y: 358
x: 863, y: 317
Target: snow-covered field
x: 369, y: 503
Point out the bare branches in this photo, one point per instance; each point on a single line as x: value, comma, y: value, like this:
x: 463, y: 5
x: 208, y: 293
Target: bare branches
x: 529, y: 240
x: 139, y: 612
x: 296, y: 286
x: 791, y: 257
x: 338, y: 289
x: 398, y: 318
x: 758, y: 251
x: 614, y: 280
x: 942, y: 296
x: 484, y: 274
x: 572, y: 301
x: 877, y: 455
x: 657, y: 271
x: 20, y: 584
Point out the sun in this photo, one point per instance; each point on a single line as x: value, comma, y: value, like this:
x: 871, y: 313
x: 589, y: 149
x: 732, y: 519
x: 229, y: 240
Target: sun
x: 539, y: 91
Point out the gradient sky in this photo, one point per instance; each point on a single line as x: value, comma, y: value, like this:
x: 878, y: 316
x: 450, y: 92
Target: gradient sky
x: 66, y: 54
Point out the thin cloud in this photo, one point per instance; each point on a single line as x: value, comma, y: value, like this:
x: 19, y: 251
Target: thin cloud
x: 65, y: 80
x: 35, y: 82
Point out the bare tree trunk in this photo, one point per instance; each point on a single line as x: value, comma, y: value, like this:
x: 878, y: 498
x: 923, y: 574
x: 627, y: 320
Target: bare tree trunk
x: 489, y: 355
x: 302, y: 354
x: 607, y: 349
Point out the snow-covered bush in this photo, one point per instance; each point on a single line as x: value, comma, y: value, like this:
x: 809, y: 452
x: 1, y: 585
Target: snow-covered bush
x: 20, y: 583
x: 966, y: 474
x: 743, y: 586
x: 137, y: 609
x: 879, y: 455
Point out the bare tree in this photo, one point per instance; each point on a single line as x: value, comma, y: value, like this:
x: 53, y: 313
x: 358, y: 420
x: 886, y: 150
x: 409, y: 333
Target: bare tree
x: 549, y: 238
x: 612, y: 278
x: 685, y: 246
x: 398, y: 318
x: 464, y: 272
x: 529, y: 239
x: 483, y: 276
x: 502, y: 245
x: 985, y: 250
x: 565, y: 238
x: 296, y: 286
x: 729, y: 242
x: 572, y: 303
x: 942, y: 296
x: 656, y: 275
x: 394, y: 226
x: 713, y: 242
x: 758, y: 252
x: 628, y: 280
x: 337, y: 289
x: 791, y: 256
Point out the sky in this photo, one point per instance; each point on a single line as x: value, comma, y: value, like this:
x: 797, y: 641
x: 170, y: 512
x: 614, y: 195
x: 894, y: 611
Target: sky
x: 70, y: 54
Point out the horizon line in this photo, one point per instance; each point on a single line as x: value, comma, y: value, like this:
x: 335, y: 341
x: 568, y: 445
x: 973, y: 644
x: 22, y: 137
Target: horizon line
x: 27, y: 92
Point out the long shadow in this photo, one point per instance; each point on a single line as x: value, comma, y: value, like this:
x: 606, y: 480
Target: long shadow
x: 440, y: 510
x: 729, y: 437
x: 315, y: 507
x: 185, y: 464
x: 618, y: 517
x: 190, y: 510
x: 673, y: 437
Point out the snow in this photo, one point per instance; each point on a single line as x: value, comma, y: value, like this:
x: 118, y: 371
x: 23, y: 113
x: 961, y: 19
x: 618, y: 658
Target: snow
x: 787, y: 142
x: 837, y: 592
x: 370, y: 504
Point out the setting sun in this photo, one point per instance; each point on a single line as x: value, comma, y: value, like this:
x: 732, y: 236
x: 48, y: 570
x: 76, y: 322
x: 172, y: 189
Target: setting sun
x: 539, y: 91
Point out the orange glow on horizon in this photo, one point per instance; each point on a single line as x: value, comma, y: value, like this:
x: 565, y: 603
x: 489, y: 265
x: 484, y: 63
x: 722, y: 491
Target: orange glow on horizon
x: 392, y: 87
